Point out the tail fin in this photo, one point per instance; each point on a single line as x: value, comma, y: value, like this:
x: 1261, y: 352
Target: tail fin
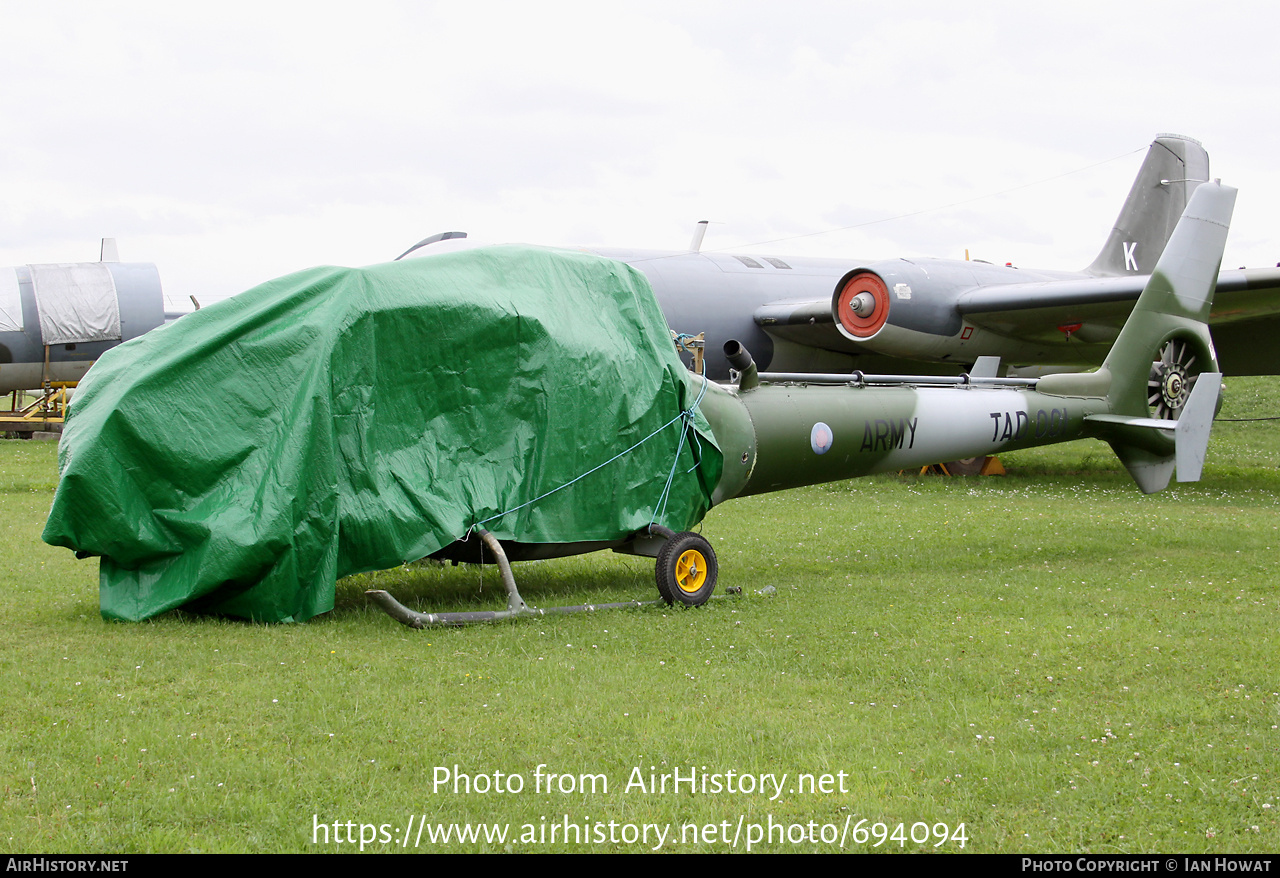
x: 1161, y: 377
x: 1172, y: 170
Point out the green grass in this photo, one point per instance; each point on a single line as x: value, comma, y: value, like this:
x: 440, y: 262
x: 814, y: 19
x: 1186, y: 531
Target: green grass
x: 1050, y: 658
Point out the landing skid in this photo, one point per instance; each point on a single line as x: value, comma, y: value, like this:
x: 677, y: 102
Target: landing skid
x: 686, y: 572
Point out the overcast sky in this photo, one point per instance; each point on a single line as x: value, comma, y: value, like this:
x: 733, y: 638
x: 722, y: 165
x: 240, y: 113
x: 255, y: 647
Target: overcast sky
x: 234, y: 142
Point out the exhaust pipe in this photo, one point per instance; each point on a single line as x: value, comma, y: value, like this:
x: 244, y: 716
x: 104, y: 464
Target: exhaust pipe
x: 740, y: 360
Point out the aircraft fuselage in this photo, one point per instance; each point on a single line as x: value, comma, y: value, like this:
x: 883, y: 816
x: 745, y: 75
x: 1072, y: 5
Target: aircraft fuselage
x: 793, y: 313
x: 24, y: 362
x: 785, y: 311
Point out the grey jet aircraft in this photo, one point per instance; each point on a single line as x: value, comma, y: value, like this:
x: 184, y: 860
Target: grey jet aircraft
x: 800, y: 314
x: 808, y: 314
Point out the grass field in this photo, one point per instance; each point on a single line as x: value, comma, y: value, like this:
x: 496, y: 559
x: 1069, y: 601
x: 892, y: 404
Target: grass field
x: 1050, y: 660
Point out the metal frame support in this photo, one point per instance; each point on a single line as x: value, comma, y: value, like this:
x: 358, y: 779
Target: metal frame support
x: 516, y: 606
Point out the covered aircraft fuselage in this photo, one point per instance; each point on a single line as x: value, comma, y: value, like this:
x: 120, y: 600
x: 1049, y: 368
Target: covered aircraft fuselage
x: 56, y: 320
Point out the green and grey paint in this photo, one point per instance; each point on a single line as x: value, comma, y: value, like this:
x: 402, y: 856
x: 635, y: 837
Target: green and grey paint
x: 766, y: 430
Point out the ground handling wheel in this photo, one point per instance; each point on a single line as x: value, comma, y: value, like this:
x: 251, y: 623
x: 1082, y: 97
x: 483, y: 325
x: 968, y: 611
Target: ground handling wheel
x: 686, y: 570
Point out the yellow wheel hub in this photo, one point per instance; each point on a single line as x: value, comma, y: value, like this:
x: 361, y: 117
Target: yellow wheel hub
x: 691, y: 571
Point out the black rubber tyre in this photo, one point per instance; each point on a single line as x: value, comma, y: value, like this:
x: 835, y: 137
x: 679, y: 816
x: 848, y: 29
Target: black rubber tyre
x: 686, y: 570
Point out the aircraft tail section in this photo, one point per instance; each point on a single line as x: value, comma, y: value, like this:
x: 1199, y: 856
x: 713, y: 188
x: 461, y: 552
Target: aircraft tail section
x: 1161, y: 379
x: 1167, y: 333
x: 1172, y: 170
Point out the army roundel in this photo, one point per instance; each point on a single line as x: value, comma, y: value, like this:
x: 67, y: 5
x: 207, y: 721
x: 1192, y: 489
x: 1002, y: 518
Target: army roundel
x: 820, y: 438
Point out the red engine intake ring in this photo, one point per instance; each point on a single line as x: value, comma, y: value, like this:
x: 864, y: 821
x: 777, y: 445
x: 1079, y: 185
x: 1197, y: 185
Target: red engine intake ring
x: 863, y: 327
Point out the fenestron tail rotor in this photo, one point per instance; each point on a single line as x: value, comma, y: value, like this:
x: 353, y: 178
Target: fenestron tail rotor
x: 1164, y: 421
x: 1171, y: 380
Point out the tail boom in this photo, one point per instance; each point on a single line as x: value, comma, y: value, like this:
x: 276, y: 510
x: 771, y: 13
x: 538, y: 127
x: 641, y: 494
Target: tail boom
x: 790, y: 433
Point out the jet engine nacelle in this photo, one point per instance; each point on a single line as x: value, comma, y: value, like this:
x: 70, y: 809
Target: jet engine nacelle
x: 894, y: 306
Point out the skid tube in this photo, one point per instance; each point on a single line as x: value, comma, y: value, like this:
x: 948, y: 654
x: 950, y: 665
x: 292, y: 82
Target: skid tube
x: 516, y: 606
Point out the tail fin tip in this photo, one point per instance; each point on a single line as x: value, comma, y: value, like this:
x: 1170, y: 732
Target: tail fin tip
x: 1175, y: 165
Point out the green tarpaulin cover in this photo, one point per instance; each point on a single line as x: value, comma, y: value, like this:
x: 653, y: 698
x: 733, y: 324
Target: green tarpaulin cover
x: 340, y: 420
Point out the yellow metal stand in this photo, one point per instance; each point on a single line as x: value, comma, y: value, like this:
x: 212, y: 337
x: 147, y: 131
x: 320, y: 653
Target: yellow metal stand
x: 991, y: 466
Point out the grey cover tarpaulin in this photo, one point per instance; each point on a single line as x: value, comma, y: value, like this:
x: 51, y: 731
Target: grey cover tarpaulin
x: 77, y: 302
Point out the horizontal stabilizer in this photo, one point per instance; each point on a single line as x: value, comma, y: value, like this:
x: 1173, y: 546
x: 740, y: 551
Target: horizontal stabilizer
x: 1190, y: 431
x: 1153, y: 423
